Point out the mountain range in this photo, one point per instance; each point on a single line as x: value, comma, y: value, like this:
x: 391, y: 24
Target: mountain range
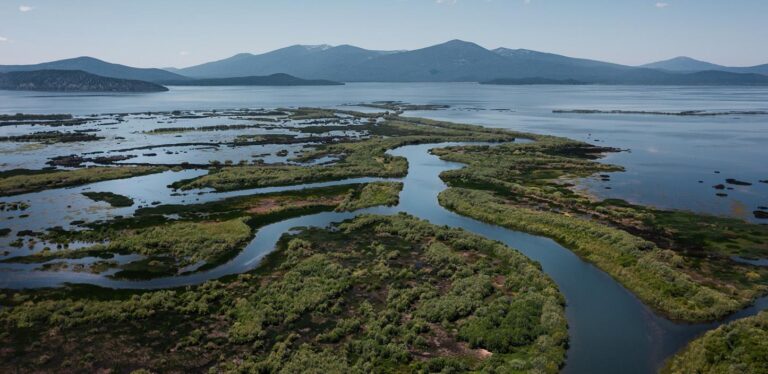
x: 687, y: 64
x: 453, y: 61
x: 99, y: 67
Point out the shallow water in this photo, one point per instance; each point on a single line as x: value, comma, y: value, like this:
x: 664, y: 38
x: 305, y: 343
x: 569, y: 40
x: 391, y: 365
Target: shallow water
x: 136, y: 136
x: 610, y: 329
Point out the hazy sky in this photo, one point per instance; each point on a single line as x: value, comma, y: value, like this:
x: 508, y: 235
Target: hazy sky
x: 187, y: 32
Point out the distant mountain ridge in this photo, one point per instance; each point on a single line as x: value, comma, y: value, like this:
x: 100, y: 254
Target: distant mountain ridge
x: 99, y: 67
x: 317, y: 62
x: 691, y: 65
x: 452, y: 61
x: 72, y: 81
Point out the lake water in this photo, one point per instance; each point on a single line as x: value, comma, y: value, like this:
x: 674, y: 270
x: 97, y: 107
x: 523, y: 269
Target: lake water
x: 666, y: 156
x: 610, y: 330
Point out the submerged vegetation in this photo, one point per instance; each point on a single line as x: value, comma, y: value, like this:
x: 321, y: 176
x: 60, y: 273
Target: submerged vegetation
x: 677, y: 262
x: 737, y: 347
x: 379, y: 294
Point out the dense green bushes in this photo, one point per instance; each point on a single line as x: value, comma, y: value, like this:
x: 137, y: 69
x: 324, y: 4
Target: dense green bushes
x: 376, y: 294
x: 372, y: 194
x: 465, y: 295
x: 308, y: 286
x: 737, y: 347
x: 504, y: 324
x: 189, y: 242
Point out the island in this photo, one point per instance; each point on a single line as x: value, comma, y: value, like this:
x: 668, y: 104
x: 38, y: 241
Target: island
x: 533, y: 81
x: 266, y: 80
x: 72, y: 81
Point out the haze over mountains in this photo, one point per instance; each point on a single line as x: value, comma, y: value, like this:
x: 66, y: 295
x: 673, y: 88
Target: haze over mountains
x: 98, y: 67
x: 453, y: 61
x: 687, y: 64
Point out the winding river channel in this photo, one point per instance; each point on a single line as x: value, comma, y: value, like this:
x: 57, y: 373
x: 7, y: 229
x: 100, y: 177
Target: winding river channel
x: 610, y: 329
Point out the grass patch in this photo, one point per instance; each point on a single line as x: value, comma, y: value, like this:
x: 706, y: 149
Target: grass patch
x: 20, y: 183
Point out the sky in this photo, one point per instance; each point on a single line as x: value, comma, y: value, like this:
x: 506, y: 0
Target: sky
x: 180, y: 33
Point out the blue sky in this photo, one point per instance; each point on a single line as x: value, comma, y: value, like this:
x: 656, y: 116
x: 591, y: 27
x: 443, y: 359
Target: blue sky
x: 186, y: 32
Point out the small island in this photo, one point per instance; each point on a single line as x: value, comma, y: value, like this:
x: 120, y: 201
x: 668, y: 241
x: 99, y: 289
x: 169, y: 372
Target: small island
x: 72, y: 81
x: 533, y: 81
x: 266, y: 80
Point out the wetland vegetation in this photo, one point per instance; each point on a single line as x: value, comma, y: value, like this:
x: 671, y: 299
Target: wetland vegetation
x: 737, y: 347
x: 52, y: 137
x: 204, y: 234
x: 381, y: 294
x: 378, y: 294
x: 16, y: 182
x: 677, y: 262
x: 364, y: 158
